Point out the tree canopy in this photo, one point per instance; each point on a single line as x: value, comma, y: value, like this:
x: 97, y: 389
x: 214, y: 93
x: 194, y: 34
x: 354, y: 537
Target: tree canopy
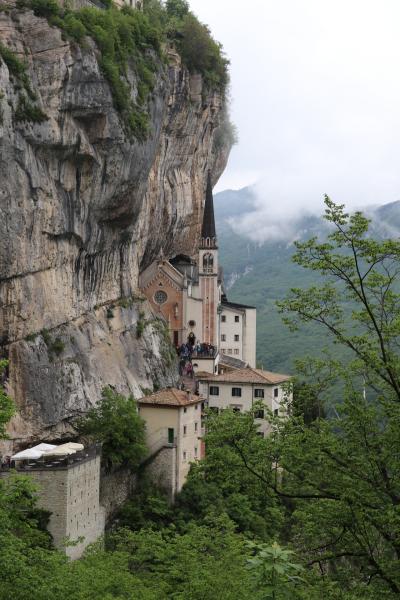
x: 116, y: 423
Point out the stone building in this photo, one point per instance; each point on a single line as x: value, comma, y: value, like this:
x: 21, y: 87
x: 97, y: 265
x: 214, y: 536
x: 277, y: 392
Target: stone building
x: 69, y: 488
x: 187, y: 292
x: 173, y: 436
x: 240, y: 389
x: 238, y: 331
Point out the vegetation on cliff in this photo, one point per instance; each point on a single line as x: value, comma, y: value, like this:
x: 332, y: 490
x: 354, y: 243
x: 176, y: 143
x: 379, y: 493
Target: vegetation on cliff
x: 133, y: 38
x: 116, y: 424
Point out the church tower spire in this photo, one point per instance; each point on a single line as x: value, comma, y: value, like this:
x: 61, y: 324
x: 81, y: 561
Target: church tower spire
x: 208, y: 270
x: 208, y: 233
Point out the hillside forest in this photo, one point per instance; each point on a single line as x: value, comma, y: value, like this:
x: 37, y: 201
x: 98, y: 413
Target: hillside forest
x: 311, y: 511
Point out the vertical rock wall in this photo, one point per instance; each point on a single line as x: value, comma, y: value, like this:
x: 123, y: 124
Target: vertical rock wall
x: 83, y: 208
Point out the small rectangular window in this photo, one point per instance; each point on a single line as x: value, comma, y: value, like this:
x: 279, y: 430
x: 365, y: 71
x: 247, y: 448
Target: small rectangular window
x: 195, y: 451
x: 258, y: 393
x: 236, y: 351
x: 214, y: 390
x: 237, y: 392
x: 236, y: 318
x: 236, y: 409
x: 185, y: 410
x: 276, y: 412
x: 259, y: 414
x: 184, y: 430
x: 223, y: 337
x: 184, y: 456
x: 229, y: 350
x: 276, y: 392
x: 195, y: 426
x: 236, y: 338
x: 223, y: 319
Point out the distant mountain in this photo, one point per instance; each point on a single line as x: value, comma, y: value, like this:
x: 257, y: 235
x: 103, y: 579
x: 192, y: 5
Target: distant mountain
x: 262, y: 273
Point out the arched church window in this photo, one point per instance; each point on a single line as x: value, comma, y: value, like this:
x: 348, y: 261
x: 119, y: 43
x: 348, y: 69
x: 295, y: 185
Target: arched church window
x: 160, y: 297
x: 208, y: 263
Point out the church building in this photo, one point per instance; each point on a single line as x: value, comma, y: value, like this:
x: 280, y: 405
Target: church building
x: 187, y: 292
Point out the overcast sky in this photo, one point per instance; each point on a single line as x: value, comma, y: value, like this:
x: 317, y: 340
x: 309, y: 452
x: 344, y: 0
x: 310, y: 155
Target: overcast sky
x: 315, y: 96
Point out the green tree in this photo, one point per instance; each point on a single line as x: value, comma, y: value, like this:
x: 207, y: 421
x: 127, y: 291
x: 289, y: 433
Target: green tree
x: 201, y: 53
x: 339, y: 478
x: 7, y: 407
x: 115, y: 422
x: 274, y: 572
x: 177, y: 8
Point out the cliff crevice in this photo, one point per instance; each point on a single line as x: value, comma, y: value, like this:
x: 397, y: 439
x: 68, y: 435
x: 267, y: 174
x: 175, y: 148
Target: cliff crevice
x: 84, y: 207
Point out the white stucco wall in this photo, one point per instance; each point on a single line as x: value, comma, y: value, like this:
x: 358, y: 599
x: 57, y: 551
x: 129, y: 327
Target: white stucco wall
x: 159, y: 419
x: 246, y: 401
x: 250, y: 337
x: 229, y: 328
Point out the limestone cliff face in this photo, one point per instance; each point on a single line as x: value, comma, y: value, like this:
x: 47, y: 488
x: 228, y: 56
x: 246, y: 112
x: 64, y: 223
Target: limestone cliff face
x: 83, y: 208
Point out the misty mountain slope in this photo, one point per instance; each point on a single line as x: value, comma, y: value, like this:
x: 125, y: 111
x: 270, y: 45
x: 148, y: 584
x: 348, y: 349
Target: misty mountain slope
x: 260, y: 273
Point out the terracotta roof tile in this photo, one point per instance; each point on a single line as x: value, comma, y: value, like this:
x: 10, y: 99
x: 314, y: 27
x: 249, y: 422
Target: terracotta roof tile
x: 170, y: 397
x: 247, y: 375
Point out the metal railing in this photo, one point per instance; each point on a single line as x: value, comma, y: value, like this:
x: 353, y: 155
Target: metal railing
x: 55, y: 463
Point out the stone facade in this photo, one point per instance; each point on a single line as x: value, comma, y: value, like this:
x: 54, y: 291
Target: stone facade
x: 241, y: 389
x: 115, y: 489
x: 162, y: 470
x: 174, y: 432
x: 69, y: 488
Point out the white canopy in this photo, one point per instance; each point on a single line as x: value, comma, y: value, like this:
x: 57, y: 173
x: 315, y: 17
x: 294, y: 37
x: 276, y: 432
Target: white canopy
x: 34, y: 452
x: 65, y: 449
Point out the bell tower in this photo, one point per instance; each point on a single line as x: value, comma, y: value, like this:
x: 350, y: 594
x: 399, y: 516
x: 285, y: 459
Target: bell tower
x: 208, y: 270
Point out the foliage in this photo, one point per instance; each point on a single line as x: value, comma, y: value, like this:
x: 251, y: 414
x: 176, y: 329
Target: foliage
x: 26, y: 111
x: 45, y: 8
x: 7, y: 407
x: 339, y: 478
x: 274, y: 572
x: 140, y: 325
x: 115, y: 423
x: 177, y: 9
x: 201, y: 53
x: 221, y: 483
x: 167, y: 349
x: 17, y: 68
x: 54, y: 346
x: 147, y: 508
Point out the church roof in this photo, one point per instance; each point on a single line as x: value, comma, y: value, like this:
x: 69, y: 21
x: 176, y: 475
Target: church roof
x: 170, y: 397
x: 247, y: 375
x: 208, y: 228
x: 231, y: 362
x: 235, y: 305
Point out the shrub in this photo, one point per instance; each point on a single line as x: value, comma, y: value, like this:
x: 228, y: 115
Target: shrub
x: 115, y: 423
x: 45, y: 8
x: 26, y: 111
x: 58, y: 346
x: 7, y: 406
x: 140, y: 325
x: 74, y: 28
x: 202, y: 54
x: 17, y: 68
x: 177, y: 8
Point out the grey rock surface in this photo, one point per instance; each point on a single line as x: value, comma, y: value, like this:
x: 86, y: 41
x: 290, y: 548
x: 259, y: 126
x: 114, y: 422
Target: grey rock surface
x: 83, y: 208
